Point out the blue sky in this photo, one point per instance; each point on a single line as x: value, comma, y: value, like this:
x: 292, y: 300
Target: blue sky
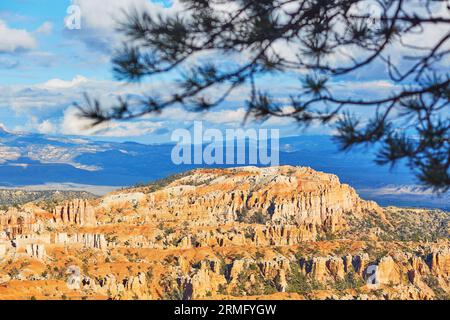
x: 56, y: 55
x: 45, y: 68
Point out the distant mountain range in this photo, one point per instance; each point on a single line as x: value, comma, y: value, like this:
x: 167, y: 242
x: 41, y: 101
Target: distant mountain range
x: 37, y: 160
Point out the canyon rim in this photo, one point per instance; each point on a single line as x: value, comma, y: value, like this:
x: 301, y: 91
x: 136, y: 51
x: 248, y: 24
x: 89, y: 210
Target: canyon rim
x: 239, y: 233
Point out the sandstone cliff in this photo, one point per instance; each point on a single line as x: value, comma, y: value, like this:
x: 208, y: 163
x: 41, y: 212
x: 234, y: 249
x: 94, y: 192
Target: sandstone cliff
x: 78, y: 212
x: 284, y: 233
x: 284, y: 196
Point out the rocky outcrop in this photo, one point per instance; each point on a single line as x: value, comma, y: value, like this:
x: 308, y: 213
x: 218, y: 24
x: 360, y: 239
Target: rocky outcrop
x: 36, y: 251
x: 439, y: 262
x: 323, y: 269
x: 123, y: 200
x: 391, y: 275
x: 388, y: 271
x: 94, y: 241
x: 23, y: 241
x: 2, y: 250
x: 258, y: 233
x: 77, y: 212
x: 312, y: 201
x: 17, y: 222
x: 128, y: 288
x: 203, y: 280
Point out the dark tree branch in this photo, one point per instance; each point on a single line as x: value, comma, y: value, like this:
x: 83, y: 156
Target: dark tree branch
x: 410, y: 123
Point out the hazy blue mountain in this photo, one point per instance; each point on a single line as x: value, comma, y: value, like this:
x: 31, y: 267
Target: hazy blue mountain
x: 34, y: 159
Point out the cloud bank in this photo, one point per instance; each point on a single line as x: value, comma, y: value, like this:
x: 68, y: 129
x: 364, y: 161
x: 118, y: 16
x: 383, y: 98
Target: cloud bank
x: 13, y: 40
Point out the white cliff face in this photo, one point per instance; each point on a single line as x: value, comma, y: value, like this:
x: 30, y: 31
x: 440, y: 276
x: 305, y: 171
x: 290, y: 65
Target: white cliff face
x: 35, y: 250
x: 76, y: 212
x: 94, y: 241
x: 134, y: 198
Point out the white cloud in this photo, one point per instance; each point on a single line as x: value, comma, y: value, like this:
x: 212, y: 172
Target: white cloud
x: 73, y: 124
x: 103, y: 15
x: 49, y: 107
x: 3, y: 128
x: 363, y: 89
x: 226, y: 117
x: 61, y: 93
x: 366, y: 85
x: 46, y: 28
x: 46, y: 127
x: 12, y: 40
x: 62, y: 84
x: 54, y: 93
x: 8, y: 153
x: 100, y: 19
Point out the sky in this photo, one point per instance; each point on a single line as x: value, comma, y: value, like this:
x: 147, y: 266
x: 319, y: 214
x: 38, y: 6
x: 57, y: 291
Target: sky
x: 45, y: 68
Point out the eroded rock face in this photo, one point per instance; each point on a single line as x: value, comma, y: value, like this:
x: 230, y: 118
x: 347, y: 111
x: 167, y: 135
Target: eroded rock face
x: 24, y: 240
x: 283, y: 196
x: 77, y: 212
x: 323, y: 269
x: 388, y: 271
x: 94, y: 241
x: 129, y: 288
x: 35, y: 250
x: 202, y: 281
x: 439, y: 261
x: 206, y: 277
x: 247, y: 232
x: 2, y: 250
x: 17, y: 222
